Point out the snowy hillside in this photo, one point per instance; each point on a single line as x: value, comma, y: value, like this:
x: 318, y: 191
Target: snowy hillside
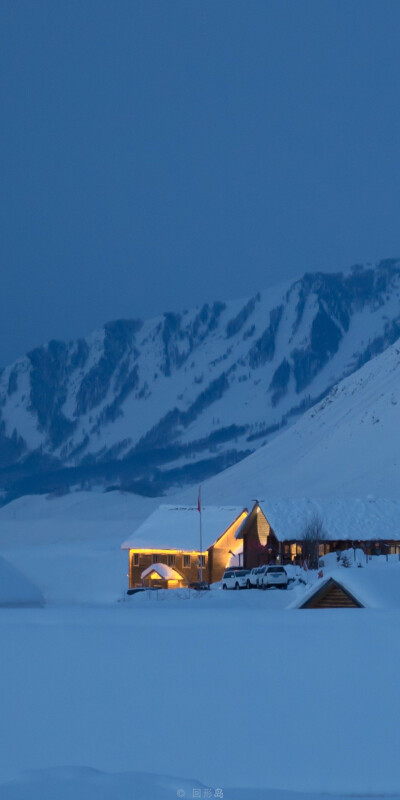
x: 147, y: 405
x: 346, y: 445
x: 69, y: 547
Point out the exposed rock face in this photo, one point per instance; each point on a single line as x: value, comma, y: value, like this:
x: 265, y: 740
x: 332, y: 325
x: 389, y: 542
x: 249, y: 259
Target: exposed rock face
x: 175, y: 399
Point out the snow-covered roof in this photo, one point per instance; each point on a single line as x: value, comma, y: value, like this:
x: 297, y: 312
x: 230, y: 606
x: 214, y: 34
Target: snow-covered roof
x: 16, y: 589
x: 343, y: 518
x: 374, y: 586
x: 163, y: 570
x: 178, y: 527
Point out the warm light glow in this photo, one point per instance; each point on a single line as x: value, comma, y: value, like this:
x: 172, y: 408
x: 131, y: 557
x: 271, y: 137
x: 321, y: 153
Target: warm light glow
x: 170, y: 551
x: 232, y: 528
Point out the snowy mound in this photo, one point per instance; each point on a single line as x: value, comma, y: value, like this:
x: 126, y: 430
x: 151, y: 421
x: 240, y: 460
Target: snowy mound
x: 16, y: 589
x: 375, y: 586
x: 81, y: 783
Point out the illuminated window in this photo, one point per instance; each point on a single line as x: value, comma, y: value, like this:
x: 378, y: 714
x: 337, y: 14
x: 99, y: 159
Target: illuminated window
x: 171, y: 560
x: 186, y: 561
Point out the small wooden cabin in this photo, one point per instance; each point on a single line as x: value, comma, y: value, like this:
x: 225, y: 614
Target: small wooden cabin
x: 164, y: 551
x: 331, y: 594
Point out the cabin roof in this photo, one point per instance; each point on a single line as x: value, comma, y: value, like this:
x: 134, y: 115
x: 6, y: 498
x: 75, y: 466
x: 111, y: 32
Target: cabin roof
x: 163, y: 570
x: 352, y: 519
x: 372, y: 586
x: 176, y: 527
x: 321, y: 590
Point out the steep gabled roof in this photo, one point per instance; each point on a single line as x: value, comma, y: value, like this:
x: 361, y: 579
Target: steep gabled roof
x: 164, y: 571
x: 248, y: 521
x: 373, y: 586
x: 330, y: 593
x: 178, y: 527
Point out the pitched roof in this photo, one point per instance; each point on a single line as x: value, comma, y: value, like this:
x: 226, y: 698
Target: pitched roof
x: 330, y: 593
x: 178, y: 527
x: 163, y: 570
x: 373, y: 586
x: 353, y: 519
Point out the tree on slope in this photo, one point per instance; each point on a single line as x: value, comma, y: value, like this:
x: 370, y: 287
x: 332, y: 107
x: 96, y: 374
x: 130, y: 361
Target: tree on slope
x: 312, y: 534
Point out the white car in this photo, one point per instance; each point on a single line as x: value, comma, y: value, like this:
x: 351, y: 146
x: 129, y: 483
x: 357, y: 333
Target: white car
x: 235, y: 579
x: 255, y: 577
x: 275, y: 576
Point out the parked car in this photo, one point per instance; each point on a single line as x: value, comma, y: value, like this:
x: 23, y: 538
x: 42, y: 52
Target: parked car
x: 199, y: 586
x: 255, y: 577
x: 275, y: 576
x: 235, y: 579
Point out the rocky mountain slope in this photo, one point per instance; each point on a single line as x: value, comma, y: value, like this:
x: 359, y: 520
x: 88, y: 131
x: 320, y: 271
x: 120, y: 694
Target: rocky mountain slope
x: 148, y: 405
x: 346, y: 446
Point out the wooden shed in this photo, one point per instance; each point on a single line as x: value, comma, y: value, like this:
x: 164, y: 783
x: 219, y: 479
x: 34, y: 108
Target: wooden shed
x: 331, y: 594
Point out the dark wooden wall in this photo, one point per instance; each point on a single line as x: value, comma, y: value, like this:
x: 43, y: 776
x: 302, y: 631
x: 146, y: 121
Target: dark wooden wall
x: 260, y: 545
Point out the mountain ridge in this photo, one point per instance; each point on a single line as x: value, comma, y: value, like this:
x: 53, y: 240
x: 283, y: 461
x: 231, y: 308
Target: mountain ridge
x: 346, y: 446
x: 148, y: 405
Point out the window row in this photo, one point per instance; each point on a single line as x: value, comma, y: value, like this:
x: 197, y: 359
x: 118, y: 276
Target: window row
x: 170, y: 559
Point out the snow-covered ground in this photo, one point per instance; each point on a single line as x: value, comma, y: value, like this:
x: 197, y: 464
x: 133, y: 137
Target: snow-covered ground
x: 102, y: 695
x: 230, y: 694
x: 69, y: 546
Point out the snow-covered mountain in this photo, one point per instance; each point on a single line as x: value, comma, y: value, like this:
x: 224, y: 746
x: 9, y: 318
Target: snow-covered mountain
x: 147, y: 405
x: 347, y: 446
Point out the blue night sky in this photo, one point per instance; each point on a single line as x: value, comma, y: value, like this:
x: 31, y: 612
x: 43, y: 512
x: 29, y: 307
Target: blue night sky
x: 156, y: 155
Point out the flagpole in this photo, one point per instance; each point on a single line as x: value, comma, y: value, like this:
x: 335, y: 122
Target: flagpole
x: 201, y: 536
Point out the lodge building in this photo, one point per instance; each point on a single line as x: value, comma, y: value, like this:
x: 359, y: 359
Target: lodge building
x: 165, y: 551
x: 278, y: 539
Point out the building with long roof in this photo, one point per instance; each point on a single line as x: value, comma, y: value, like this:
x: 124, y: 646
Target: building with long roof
x: 170, y: 538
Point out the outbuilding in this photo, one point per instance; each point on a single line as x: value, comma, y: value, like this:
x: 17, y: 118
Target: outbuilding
x: 377, y: 585
x: 331, y: 593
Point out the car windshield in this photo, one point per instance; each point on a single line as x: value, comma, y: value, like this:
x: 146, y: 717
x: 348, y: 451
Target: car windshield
x: 276, y: 569
x: 242, y: 572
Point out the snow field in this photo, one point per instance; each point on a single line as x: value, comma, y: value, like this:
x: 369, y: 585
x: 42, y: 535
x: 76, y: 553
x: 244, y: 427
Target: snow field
x: 244, y: 697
